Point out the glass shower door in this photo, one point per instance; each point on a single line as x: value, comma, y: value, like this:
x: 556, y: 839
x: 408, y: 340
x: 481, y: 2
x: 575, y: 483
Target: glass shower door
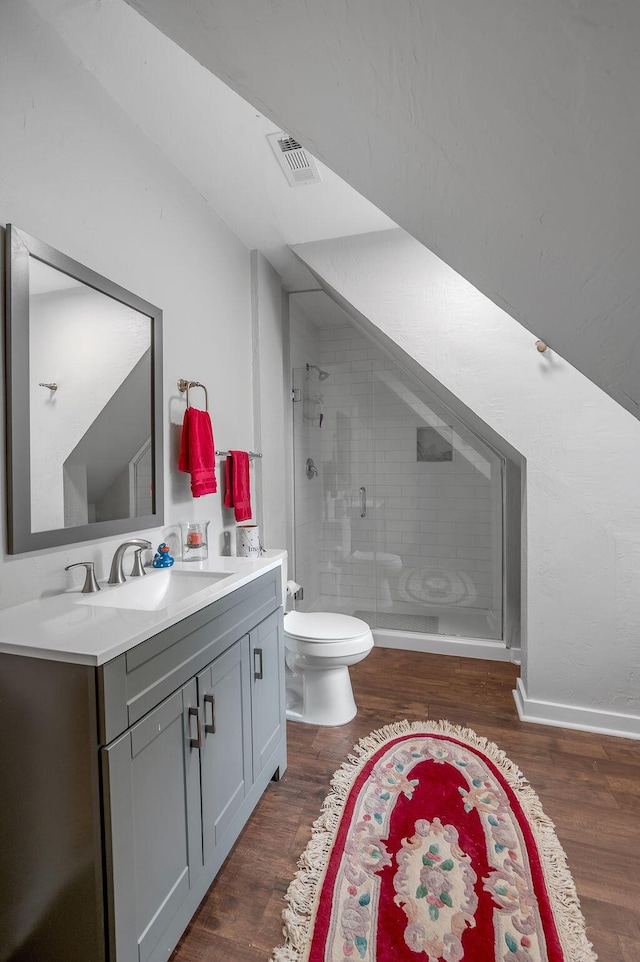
x: 354, y: 506
x: 398, y: 505
x: 439, y: 520
x: 334, y: 512
x: 304, y: 567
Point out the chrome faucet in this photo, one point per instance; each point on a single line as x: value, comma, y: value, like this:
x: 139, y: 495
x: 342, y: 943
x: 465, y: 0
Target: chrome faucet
x: 116, y: 575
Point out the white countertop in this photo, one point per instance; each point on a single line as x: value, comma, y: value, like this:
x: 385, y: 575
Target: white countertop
x: 59, y: 628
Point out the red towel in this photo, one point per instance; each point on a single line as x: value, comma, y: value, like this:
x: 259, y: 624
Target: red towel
x: 197, y: 453
x: 238, y: 490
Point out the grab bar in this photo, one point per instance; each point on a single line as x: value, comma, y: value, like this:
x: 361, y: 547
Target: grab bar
x: 363, y: 502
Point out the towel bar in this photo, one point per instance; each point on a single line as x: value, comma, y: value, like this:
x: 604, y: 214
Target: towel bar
x: 225, y: 454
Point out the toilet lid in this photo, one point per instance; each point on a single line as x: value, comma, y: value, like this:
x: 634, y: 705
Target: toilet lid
x: 324, y: 626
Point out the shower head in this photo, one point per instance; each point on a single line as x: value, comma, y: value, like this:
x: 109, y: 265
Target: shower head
x: 322, y: 375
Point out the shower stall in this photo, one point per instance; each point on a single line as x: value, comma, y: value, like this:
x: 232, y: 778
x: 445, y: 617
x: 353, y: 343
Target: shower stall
x: 398, y: 505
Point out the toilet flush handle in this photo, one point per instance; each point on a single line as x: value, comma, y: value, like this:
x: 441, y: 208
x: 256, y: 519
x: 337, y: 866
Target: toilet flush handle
x: 363, y: 502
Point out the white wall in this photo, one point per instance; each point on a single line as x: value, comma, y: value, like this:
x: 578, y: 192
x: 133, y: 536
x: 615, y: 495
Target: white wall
x: 582, y: 539
x: 75, y: 172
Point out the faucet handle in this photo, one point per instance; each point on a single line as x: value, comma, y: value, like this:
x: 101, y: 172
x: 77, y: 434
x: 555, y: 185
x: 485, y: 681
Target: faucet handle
x: 138, y: 567
x: 90, y: 583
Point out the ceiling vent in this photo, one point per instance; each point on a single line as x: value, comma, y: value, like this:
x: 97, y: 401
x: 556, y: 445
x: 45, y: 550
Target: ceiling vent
x: 299, y: 167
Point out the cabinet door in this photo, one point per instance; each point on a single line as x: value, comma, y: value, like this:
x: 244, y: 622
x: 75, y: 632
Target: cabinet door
x: 224, y: 698
x: 153, y: 824
x: 267, y: 684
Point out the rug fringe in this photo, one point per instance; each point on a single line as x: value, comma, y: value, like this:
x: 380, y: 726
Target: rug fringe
x: 298, y: 916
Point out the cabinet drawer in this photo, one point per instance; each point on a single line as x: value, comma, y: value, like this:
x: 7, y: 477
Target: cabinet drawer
x: 134, y: 683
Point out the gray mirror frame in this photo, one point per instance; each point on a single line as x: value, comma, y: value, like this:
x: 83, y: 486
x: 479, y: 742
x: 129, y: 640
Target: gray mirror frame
x: 19, y: 246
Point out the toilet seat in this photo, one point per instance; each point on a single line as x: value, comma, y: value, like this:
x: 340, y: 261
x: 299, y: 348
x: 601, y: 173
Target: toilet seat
x: 324, y: 627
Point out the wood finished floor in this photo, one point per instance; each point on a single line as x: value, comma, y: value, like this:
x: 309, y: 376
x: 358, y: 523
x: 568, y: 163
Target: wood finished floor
x: 588, y: 784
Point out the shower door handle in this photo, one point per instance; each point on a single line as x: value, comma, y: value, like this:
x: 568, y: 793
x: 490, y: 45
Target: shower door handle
x: 363, y: 502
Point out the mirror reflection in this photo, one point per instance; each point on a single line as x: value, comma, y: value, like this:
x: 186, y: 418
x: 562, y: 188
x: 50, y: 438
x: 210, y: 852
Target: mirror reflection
x: 90, y: 436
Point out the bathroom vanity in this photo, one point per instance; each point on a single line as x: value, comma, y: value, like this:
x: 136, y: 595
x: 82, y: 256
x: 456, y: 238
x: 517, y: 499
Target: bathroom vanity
x: 134, y: 746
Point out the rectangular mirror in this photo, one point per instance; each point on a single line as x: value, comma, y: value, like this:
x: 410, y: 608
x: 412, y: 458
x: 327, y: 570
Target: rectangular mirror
x: 84, y: 401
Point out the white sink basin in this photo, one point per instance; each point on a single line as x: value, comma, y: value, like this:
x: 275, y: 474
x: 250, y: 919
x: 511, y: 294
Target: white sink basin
x: 157, y: 590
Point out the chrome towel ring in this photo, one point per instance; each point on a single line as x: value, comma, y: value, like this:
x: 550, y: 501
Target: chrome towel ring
x: 184, y: 385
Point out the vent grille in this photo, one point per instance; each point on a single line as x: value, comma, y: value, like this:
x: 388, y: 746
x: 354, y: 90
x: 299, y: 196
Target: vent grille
x: 298, y: 166
x: 288, y: 143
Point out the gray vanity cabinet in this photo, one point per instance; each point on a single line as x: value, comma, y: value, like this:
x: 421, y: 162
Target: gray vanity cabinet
x: 126, y: 784
x: 173, y: 785
x: 267, y: 697
x: 152, y: 832
x: 181, y: 781
x: 224, y: 697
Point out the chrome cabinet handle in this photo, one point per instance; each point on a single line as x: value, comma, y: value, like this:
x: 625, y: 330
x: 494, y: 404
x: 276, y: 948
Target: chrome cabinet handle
x: 197, y: 741
x: 363, y: 502
x: 210, y: 700
x: 257, y: 672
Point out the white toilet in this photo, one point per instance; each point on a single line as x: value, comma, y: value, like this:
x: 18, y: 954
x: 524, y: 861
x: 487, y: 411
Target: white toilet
x: 319, y: 647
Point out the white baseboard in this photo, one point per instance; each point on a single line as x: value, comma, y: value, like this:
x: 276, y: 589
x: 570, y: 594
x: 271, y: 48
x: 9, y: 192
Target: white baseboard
x: 570, y: 716
x: 515, y: 654
x: 442, y: 645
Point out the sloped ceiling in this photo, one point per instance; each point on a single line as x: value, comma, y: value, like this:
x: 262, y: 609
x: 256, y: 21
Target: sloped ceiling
x: 214, y: 138
x: 504, y: 135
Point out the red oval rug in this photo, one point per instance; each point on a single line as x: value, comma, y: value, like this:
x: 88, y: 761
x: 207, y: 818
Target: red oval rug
x: 432, y: 846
